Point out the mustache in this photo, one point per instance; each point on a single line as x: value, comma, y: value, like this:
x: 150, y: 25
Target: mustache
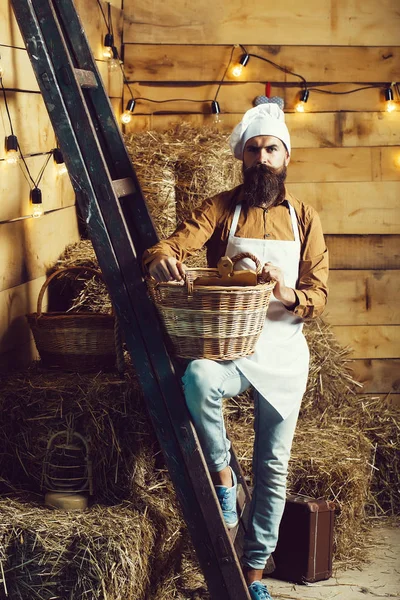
x: 263, y: 185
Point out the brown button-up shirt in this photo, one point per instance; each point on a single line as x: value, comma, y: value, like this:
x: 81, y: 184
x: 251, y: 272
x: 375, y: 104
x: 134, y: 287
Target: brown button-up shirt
x: 210, y: 224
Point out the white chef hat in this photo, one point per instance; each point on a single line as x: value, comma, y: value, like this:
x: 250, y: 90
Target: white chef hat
x: 265, y: 119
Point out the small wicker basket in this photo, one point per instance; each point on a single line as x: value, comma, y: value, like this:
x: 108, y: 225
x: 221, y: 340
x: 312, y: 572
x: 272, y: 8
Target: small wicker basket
x: 218, y: 322
x: 78, y: 342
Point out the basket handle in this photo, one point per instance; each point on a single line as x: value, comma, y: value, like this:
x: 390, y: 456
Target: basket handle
x: 56, y: 274
x: 242, y: 255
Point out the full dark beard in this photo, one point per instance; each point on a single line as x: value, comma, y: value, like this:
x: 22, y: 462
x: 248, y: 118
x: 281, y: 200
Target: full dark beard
x: 263, y: 186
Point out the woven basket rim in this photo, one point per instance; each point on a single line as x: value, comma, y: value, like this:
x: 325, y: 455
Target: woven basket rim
x: 62, y: 314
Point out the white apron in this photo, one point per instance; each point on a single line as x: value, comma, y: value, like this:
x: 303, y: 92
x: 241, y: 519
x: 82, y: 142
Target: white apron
x: 278, y: 369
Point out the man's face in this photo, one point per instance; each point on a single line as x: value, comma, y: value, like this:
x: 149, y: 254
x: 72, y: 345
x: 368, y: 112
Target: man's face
x: 267, y: 150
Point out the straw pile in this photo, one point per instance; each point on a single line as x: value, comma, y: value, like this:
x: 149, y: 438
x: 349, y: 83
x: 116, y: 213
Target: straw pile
x: 133, y: 532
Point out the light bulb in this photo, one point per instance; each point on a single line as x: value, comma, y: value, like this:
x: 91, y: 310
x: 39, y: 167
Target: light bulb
x: 301, y: 105
x: 237, y: 69
x: 59, y: 160
x: 36, y: 201
x: 62, y: 169
x: 216, y: 112
x: 127, y: 114
x: 12, y: 156
x: 37, y: 211
x: 113, y: 64
x: 390, y: 105
x: 108, y: 46
x: 126, y: 117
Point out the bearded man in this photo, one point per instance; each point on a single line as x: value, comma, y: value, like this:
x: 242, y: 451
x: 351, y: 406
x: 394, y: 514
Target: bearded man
x: 263, y: 218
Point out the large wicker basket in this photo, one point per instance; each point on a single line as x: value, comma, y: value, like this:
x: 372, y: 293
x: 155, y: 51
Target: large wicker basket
x: 212, y: 321
x: 80, y: 341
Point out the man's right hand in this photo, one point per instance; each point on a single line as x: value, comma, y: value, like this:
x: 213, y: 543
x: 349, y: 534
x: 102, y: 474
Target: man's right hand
x: 166, y: 268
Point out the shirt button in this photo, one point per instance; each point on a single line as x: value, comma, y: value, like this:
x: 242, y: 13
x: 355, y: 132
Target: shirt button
x: 266, y: 235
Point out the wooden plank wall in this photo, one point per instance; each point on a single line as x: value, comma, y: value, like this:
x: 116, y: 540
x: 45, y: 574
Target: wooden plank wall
x: 29, y: 246
x: 346, y: 149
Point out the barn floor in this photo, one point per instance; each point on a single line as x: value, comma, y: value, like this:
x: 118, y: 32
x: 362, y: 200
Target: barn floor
x: 379, y: 578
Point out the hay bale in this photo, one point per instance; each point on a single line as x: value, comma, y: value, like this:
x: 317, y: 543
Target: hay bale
x: 153, y: 155
x: 104, y: 552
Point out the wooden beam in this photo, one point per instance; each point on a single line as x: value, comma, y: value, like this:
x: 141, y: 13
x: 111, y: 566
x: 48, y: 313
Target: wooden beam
x: 320, y: 22
x: 377, y: 341
x: 363, y: 298
x: 363, y: 251
x: 191, y: 62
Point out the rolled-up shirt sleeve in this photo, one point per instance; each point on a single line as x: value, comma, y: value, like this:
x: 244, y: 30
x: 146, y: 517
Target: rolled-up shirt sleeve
x: 190, y: 236
x: 312, y: 286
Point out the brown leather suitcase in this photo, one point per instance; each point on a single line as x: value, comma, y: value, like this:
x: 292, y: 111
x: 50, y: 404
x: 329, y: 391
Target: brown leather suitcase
x: 304, y: 550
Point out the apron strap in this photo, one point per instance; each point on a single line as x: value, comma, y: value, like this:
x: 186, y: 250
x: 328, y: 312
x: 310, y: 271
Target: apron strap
x: 294, y: 223
x: 235, y: 220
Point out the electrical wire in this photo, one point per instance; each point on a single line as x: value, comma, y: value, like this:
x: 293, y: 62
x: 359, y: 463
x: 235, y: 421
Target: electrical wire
x: 367, y: 87
x: 224, y: 75
x: 104, y: 16
x: 6, y: 105
x: 274, y: 64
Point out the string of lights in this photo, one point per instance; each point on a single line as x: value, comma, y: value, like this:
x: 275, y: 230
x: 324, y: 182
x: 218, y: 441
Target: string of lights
x: 237, y: 70
x: 14, y: 153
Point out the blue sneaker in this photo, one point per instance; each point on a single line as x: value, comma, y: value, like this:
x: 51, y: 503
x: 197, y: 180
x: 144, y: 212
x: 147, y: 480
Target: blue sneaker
x: 259, y: 591
x: 227, y: 500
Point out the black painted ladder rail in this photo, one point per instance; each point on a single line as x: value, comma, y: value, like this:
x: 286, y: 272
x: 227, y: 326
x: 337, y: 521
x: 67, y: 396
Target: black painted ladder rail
x: 120, y: 228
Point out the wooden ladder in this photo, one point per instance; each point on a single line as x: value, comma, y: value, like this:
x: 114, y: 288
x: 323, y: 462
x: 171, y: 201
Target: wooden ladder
x: 120, y: 228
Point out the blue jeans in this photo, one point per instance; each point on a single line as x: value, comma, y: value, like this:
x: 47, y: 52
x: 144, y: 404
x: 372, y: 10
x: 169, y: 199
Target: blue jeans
x: 205, y: 383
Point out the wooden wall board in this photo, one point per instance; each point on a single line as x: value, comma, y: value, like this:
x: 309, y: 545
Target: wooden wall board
x: 367, y: 129
x: 178, y: 62
x: 310, y: 130
x: 10, y: 34
x: 30, y: 122
x: 386, y: 163
x: 15, y: 303
x: 57, y: 191
x: 353, y: 207
x: 363, y: 297
x: 378, y: 376
x: 344, y: 164
x: 239, y: 97
x: 320, y: 22
x: 29, y: 247
x: 18, y: 73
x: 364, y: 251
x: 370, y: 341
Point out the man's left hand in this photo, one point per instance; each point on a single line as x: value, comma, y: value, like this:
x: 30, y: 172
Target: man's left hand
x: 281, y: 292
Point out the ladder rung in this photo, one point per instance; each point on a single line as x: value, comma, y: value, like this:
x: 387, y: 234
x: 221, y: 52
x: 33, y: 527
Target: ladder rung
x: 86, y: 79
x: 123, y: 187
